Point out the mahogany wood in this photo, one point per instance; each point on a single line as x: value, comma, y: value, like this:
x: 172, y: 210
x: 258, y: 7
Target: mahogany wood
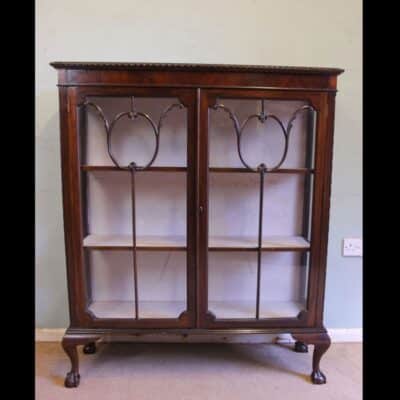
x: 321, y: 342
x: 197, y: 87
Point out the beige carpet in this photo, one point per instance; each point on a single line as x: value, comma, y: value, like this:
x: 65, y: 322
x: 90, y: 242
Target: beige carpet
x: 199, y: 371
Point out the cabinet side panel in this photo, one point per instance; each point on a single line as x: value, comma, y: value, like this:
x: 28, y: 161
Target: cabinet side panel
x: 320, y: 211
x: 327, y: 150
x: 71, y: 205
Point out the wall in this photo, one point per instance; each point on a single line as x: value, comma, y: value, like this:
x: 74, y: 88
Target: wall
x: 309, y: 33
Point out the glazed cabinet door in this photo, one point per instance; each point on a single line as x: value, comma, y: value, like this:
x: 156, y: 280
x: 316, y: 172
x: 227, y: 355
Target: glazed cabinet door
x: 135, y: 195
x: 260, y: 196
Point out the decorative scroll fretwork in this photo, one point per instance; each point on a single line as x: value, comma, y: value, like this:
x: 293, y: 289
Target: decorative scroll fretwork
x: 133, y: 114
x: 262, y: 117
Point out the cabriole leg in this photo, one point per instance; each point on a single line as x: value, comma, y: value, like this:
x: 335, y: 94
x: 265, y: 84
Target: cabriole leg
x: 72, y: 378
x: 69, y: 344
x: 320, y: 348
x: 321, y: 342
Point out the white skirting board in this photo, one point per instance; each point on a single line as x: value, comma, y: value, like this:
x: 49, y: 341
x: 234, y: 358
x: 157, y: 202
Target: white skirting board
x: 337, y: 335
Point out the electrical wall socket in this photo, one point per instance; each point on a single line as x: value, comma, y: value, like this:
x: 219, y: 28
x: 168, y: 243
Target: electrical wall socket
x: 352, y: 247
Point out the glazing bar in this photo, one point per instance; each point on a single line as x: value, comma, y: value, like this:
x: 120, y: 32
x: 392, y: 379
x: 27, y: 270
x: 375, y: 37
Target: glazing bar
x: 262, y: 169
x: 132, y: 168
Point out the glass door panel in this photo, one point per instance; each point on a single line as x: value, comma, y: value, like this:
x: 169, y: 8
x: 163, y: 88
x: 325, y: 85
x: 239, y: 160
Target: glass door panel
x: 260, y: 179
x: 135, y: 174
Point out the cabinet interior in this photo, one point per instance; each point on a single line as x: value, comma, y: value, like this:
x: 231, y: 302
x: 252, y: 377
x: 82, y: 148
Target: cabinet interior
x: 161, y: 211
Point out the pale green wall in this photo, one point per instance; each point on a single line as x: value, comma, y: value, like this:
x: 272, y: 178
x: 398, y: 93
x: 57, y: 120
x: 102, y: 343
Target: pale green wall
x: 285, y: 32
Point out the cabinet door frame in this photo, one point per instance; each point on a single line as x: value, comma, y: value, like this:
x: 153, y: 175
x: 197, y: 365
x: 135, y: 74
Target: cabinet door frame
x: 71, y: 100
x: 312, y: 316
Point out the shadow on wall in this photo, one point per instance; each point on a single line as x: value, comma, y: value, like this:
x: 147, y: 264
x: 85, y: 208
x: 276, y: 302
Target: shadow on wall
x: 51, y: 290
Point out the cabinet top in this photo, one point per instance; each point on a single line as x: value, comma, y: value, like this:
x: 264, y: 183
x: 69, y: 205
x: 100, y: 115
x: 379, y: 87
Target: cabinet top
x: 141, y: 66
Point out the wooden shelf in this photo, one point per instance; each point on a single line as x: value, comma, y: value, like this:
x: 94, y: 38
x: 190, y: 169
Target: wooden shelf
x: 147, y: 309
x: 172, y: 309
x: 124, y: 242
x: 216, y: 243
x: 211, y: 169
x: 246, y: 309
x: 269, y: 243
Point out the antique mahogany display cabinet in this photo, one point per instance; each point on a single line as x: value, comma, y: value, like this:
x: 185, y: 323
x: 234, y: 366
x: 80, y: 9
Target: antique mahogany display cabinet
x: 196, y: 203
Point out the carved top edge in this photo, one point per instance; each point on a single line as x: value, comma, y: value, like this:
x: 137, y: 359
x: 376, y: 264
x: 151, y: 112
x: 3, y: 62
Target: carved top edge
x: 141, y: 66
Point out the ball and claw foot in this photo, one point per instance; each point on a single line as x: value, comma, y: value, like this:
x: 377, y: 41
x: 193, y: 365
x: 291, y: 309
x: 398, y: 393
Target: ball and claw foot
x: 321, y: 342
x: 300, y: 347
x: 318, y: 378
x: 89, y: 348
x: 72, y: 380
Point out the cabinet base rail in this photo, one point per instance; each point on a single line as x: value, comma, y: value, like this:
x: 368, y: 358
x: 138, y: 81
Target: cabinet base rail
x: 90, y: 338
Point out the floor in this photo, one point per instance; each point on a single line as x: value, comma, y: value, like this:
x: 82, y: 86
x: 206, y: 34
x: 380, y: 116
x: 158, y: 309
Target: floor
x: 199, y: 371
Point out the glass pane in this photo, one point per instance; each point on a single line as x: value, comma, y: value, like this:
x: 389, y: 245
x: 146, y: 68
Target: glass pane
x: 232, y: 284
x: 161, y: 203
x: 234, y: 208
x: 161, y: 282
x: 234, y: 204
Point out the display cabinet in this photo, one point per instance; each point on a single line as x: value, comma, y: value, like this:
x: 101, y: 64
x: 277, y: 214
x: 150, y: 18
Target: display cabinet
x: 196, y: 203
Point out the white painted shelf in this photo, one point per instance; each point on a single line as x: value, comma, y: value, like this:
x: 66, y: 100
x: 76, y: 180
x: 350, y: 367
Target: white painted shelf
x: 172, y: 309
x: 247, y: 309
x: 217, y: 243
x: 147, y: 309
x: 125, y: 241
x: 268, y: 243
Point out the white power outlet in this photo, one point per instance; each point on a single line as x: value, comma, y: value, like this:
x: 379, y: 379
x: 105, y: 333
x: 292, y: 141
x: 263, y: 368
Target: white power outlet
x: 352, y: 247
